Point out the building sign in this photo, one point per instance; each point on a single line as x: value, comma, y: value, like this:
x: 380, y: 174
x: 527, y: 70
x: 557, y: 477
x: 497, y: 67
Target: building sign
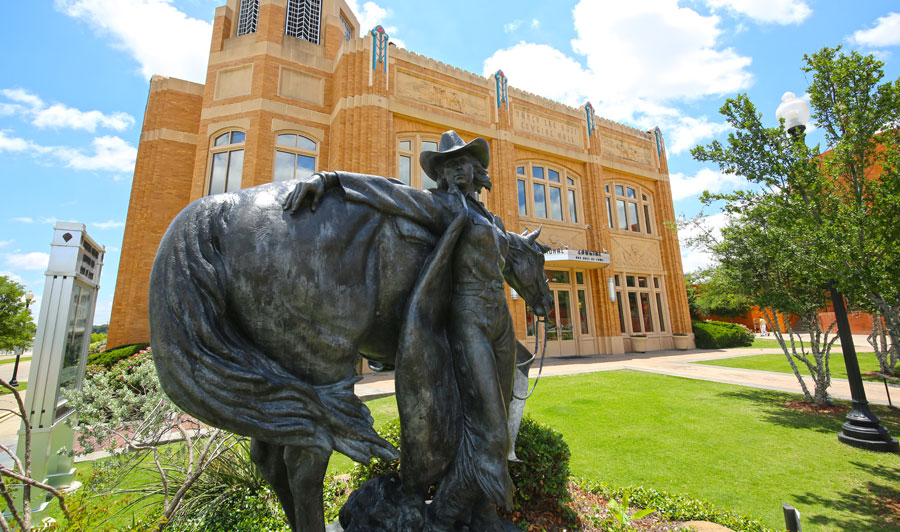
x: 546, y: 127
x: 582, y: 259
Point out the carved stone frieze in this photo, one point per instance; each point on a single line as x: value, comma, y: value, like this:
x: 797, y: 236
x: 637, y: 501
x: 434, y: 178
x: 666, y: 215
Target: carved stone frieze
x: 433, y: 92
x: 635, y: 253
x: 627, y: 150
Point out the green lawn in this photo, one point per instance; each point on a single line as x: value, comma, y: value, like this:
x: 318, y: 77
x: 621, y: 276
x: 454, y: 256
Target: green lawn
x: 13, y: 360
x: 771, y: 343
x: 740, y: 448
x: 778, y: 362
x: 21, y: 387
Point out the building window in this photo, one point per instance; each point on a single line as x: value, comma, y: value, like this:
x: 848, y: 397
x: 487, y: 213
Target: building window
x: 408, y: 169
x: 227, y: 162
x: 348, y: 29
x: 248, y: 16
x: 640, y: 302
x: 295, y: 156
x: 303, y: 18
x: 628, y: 208
x: 547, y: 192
x: 565, y: 320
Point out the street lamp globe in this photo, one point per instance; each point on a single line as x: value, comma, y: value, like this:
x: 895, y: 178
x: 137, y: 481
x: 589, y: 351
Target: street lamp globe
x: 29, y: 297
x: 794, y: 112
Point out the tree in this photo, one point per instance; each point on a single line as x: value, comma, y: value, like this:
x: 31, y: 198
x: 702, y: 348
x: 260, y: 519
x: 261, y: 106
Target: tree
x: 16, y: 326
x: 836, y: 212
x: 711, y: 292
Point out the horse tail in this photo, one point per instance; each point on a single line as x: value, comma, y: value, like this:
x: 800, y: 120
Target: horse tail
x: 208, y: 368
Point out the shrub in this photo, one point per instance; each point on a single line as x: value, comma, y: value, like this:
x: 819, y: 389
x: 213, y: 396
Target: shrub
x: 111, y: 356
x: 243, y: 510
x: 390, y: 431
x: 719, y: 334
x: 542, y: 473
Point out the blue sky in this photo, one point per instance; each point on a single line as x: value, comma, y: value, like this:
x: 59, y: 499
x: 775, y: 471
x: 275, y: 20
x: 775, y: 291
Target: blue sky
x: 74, y: 78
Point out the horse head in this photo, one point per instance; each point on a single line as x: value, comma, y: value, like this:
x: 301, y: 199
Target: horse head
x: 524, y: 271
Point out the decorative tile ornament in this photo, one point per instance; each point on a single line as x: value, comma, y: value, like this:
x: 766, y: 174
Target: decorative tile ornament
x: 379, y: 48
x: 589, y: 111
x: 502, y: 90
x: 659, y: 142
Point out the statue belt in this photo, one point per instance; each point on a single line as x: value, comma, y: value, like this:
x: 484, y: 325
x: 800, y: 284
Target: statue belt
x: 477, y: 288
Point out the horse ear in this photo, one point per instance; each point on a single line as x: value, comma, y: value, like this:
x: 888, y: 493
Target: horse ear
x: 533, y: 236
x: 543, y: 248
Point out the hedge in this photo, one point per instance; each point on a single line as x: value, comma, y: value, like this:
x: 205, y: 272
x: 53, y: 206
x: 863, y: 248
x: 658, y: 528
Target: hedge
x: 111, y: 356
x: 719, y: 334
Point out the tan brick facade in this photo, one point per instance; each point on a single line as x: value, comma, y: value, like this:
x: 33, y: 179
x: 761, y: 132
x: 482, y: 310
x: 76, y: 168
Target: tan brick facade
x: 266, y: 83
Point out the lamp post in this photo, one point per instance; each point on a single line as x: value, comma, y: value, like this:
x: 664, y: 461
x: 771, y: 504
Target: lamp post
x: 29, y: 297
x: 863, y: 429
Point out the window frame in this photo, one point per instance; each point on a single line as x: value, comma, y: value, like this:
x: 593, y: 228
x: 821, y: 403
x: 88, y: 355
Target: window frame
x: 567, y: 183
x: 632, y: 200
x: 228, y: 148
x: 629, y: 284
x: 294, y: 150
x: 416, y: 140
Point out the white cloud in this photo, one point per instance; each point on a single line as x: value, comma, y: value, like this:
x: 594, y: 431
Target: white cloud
x: 693, y: 259
x: 4, y: 243
x: 767, y: 11
x: 371, y: 15
x: 9, y: 143
x: 678, y: 57
x: 109, y: 224
x: 706, y: 179
x: 30, y: 220
x: 110, y: 153
x: 35, y: 260
x: 886, y: 32
x: 12, y: 276
x: 60, y: 115
x: 162, y: 39
x: 510, y: 27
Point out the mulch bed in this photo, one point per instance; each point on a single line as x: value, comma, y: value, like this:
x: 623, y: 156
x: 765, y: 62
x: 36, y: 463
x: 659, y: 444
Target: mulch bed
x: 812, y: 408
x: 587, y: 512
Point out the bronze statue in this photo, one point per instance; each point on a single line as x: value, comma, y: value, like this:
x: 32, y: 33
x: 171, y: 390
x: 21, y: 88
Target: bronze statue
x: 260, y: 306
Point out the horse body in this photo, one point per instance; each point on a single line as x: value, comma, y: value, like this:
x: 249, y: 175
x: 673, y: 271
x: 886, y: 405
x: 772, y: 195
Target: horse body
x: 258, y: 318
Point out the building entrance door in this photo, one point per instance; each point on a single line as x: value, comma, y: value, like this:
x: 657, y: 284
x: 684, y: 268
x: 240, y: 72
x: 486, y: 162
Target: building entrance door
x: 561, y: 330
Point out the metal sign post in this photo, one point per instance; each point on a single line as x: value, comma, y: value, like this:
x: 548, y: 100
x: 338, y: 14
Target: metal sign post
x: 59, y: 356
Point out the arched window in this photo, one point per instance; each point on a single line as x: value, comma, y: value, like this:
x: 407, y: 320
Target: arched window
x: 640, y: 302
x: 628, y: 208
x: 408, y: 149
x: 303, y: 19
x: 227, y: 162
x: 295, y: 156
x: 547, y: 191
x: 247, y: 17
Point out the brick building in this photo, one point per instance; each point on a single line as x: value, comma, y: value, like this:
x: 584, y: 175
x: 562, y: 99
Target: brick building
x: 294, y: 86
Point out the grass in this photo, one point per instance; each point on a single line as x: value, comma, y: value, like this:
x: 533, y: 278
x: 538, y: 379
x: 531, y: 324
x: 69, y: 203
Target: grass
x: 778, y: 363
x: 771, y: 343
x: 739, y: 448
x: 21, y: 387
x: 13, y: 360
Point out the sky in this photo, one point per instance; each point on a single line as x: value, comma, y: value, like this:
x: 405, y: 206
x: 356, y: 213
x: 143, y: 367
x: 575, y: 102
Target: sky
x: 74, y: 79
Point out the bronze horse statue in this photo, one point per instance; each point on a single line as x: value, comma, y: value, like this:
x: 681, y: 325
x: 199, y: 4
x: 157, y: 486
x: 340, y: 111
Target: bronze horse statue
x: 258, y: 318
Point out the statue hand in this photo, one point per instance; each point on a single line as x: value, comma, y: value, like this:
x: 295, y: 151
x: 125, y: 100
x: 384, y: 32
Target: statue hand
x: 312, y: 188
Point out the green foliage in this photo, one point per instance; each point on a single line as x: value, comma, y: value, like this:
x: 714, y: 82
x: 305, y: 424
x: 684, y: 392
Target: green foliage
x: 96, y: 337
x: 621, y: 518
x: 673, y: 507
x: 542, y: 473
x: 242, y: 509
x: 720, y: 335
x: 111, y: 356
x: 16, y: 326
x: 377, y: 467
x: 100, y: 329
x: 712, y: 292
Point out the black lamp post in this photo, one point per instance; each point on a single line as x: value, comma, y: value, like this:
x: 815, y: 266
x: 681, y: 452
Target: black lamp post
x: 863, y: 429
x: 29, y: 297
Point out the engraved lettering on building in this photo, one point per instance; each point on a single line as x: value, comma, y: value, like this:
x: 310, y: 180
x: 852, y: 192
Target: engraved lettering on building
x: 547, y: 128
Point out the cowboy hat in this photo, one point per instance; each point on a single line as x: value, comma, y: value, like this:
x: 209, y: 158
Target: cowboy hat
x: 451, y: 144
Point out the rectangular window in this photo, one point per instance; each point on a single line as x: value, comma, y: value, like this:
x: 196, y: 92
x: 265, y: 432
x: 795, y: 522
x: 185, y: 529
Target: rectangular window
x: 642, y: 281
x: 552, y: 325
x: 555, y: 204
x: 427, y: 182
x: 530, y: 321
x: 537, y: 171
x: 635, y: 313
x: 621, y: 313
x: 656, y: 282
x: 306, y: 165
x: 348, y: 31
x: 579, y: 277
x: 553, y: 175
x: 633, y: 217
x: 609, y: 212
x: 629, y: 192
x: 540, y: 203
x: 565, y: 316
x: 573, y: 211
x: 520, y: 170
x: 582, y: 311
x: 235, y: 168
x: 523, y: 207
x: 303, y: 18
x: 659, y: 307
x: 645, y: 310
x: 623, y: 221
x: 629, y: 281
x: 405, y: 145
x: 218, y: 173
x: 248, y: 16
x: 403, y: 169
x: 558, y: 277
x: 620, y: 190
x: 647, y: 219
x: 284, y: 166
